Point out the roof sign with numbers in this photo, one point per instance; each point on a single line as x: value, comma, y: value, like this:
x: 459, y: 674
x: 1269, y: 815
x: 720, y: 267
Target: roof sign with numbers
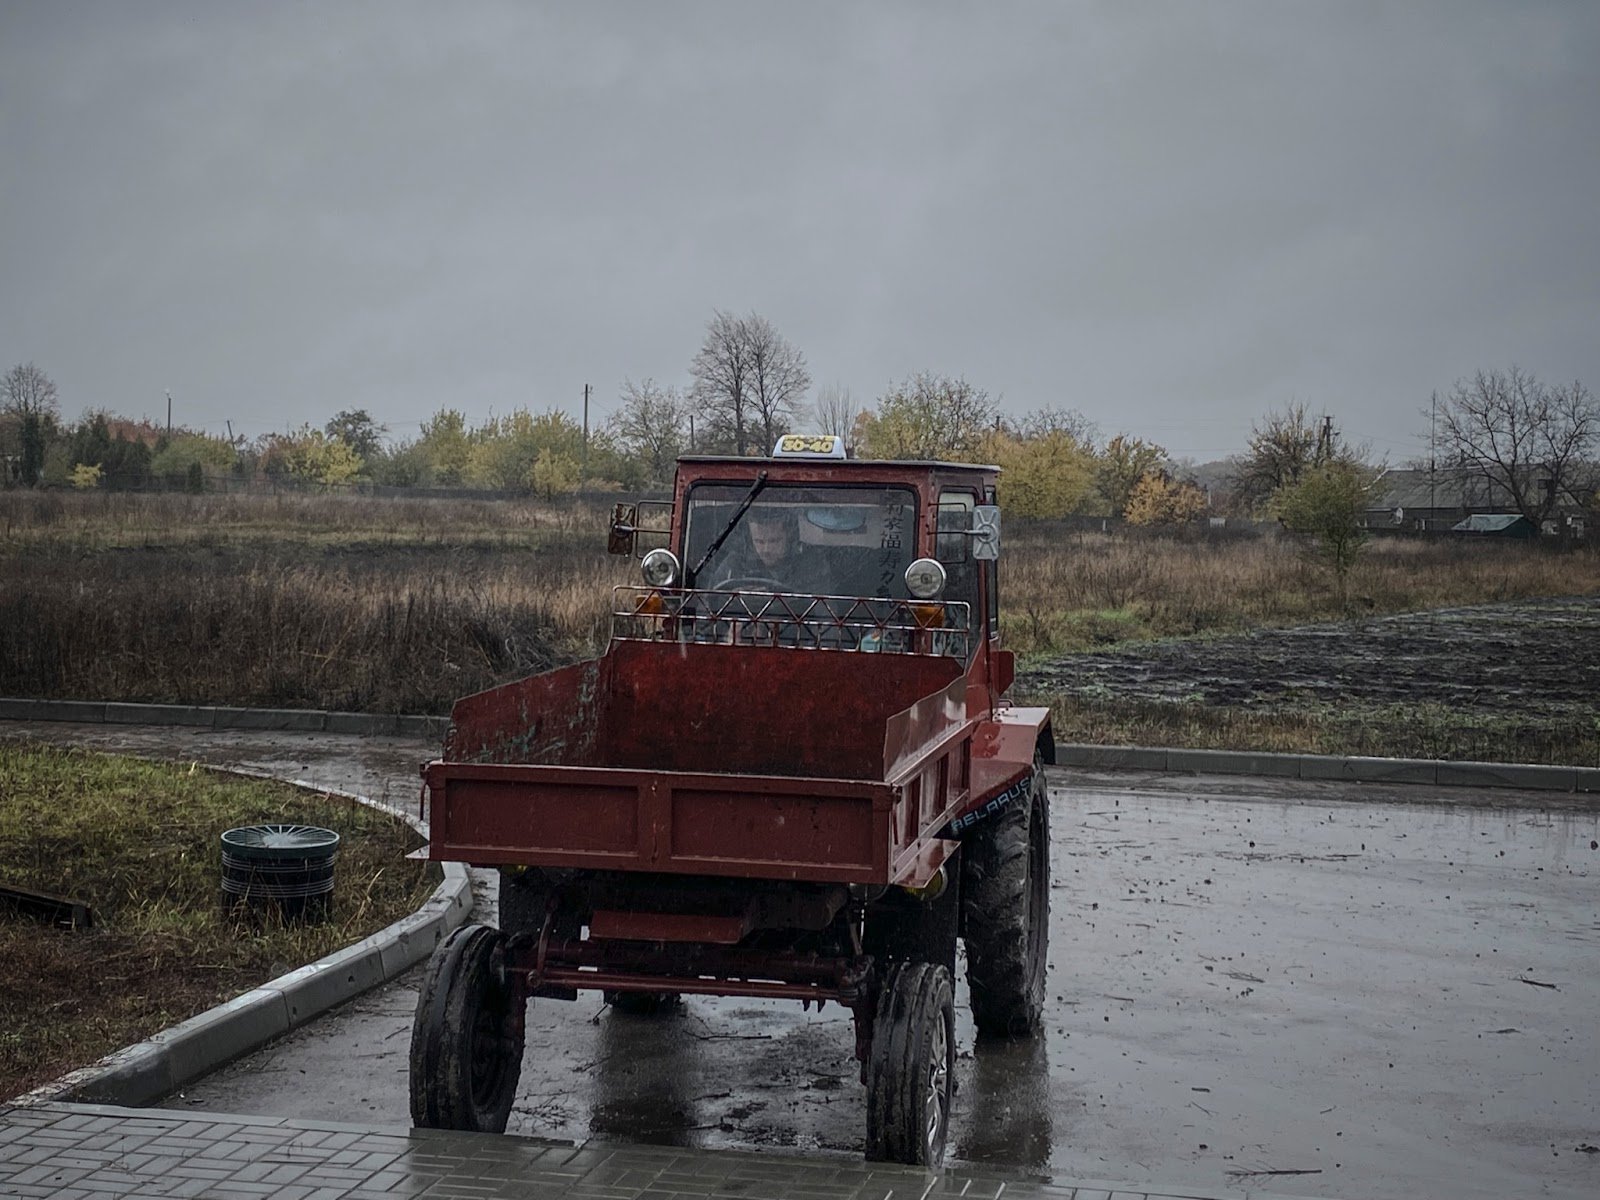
x: 806, y: 445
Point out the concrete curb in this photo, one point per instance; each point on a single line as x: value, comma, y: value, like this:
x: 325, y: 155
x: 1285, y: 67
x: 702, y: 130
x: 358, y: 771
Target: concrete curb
x: 1439, y: 772
x: 299, y: 720
x: 147, y: 1071
x: 1346, y: 768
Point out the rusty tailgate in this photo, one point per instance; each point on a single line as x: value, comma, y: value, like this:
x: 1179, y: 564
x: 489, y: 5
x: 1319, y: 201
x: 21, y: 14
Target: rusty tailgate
x: 765, y: 827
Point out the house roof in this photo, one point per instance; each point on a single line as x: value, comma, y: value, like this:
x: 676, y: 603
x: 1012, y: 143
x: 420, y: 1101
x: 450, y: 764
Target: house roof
x: 1490, y: 523
x: 1453, y: 487
x: 1413, y: 488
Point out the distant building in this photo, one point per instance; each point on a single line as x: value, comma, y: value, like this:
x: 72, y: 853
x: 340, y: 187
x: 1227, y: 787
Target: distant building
x: 1415, y: 499
x: 1506, y: 525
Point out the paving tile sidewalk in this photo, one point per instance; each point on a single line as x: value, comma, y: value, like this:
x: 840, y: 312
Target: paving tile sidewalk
x: 90, y: 1152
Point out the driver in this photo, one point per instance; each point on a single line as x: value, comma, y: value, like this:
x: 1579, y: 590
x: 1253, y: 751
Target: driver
x: 774, y: 554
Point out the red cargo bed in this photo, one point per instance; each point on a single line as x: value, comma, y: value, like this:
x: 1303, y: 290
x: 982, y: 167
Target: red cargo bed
x: 604, y: 766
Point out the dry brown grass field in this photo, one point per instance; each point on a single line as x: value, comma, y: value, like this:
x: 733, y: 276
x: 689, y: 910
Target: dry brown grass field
x: 316, y: 601
x: 1069, y: 591
x: 403, y: 605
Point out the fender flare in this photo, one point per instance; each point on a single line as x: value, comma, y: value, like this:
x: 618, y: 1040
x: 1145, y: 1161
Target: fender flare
x: 1004, y: 749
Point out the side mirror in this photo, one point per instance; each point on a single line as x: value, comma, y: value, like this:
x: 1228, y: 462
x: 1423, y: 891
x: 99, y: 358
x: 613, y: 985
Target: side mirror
x: 624, y: 526
x: 986, y: 531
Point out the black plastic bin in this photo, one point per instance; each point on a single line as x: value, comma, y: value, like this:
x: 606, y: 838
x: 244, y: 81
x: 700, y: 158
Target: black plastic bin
x: 286, y: 869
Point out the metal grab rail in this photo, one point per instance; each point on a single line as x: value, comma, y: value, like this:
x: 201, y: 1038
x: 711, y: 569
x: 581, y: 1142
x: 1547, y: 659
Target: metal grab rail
x: 940, y: 628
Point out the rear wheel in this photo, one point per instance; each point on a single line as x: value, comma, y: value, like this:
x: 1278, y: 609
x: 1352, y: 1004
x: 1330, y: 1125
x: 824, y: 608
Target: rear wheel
x: 911, y: 1067
x: 1005, y: 892
x: 466, y: 1042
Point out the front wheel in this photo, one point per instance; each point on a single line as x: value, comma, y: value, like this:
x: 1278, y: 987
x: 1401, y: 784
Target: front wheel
x: 1005, y: 898
x: 466, y: 1042
x: 911, y: 1067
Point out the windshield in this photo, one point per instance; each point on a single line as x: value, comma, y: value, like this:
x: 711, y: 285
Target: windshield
x: 806, y: 538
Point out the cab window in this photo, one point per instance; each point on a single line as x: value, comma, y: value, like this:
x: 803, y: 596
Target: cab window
x: 953, y: 548
x: 850, y: 540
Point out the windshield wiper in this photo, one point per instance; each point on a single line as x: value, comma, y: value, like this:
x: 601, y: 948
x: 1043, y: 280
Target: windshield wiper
x: 744, y: 507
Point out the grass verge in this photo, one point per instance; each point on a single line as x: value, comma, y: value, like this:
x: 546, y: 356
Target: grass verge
x: 139, y: 842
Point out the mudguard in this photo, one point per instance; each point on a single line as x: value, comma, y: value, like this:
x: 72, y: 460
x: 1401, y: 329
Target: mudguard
x: 1003, y: 752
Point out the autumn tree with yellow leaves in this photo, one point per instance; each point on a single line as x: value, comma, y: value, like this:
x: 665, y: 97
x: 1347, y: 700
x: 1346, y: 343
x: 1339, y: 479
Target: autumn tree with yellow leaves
x: 1046, y: 476
x: 1159, y: 500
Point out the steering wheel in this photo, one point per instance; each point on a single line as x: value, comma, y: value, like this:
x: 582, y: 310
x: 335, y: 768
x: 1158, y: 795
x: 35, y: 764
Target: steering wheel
x: 752, y: 583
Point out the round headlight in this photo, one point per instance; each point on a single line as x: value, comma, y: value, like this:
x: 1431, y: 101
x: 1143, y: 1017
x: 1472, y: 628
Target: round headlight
x: 660, y: 568
x: 925, y: 579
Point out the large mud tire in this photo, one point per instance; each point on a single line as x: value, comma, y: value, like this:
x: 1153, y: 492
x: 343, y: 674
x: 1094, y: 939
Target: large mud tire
x: 1005, y: 893
x: 911, y: 1068
x: 466, y: 1042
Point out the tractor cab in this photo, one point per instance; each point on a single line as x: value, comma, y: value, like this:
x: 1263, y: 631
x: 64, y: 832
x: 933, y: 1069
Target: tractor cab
x: 810, y: 549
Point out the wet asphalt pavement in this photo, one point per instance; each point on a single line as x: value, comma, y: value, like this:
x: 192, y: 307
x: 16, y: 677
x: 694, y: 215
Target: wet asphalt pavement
x: 1319, y: 989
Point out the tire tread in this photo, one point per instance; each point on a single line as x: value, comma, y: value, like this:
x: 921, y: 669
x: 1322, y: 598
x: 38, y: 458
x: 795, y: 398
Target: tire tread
x: 913, y: 995
x: 1006, y: 990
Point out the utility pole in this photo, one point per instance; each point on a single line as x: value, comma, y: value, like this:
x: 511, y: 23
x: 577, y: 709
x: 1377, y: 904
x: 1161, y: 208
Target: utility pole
x: 1433, y: 452
x: 169, y: 414
x: 583, y: 472
x: 691, y: 433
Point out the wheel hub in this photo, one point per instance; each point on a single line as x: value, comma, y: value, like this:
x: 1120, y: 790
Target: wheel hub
x: 938, y: 1089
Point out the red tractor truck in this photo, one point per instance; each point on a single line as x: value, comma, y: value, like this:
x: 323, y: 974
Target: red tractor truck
x: 793, y: 773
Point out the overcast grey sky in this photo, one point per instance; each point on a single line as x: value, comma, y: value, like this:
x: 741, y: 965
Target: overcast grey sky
x: 1172, y: 216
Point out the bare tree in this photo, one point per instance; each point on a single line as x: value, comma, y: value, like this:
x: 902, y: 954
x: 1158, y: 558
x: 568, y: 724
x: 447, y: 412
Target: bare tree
x: 650, y: 425
x: 748, y: 380
x: 837, y: 412
x: 1525, y: 440
x: 721, y: 385
x: 1042, y: 422
x: 778, y: 379
x: 1283, y: 447
x: 28, y: 400
x: 721, y: 388
x: 28, y: 392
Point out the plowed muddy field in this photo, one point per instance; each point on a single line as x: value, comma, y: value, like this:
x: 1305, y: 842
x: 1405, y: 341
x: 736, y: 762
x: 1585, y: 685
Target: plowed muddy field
x: 1532, y: 665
